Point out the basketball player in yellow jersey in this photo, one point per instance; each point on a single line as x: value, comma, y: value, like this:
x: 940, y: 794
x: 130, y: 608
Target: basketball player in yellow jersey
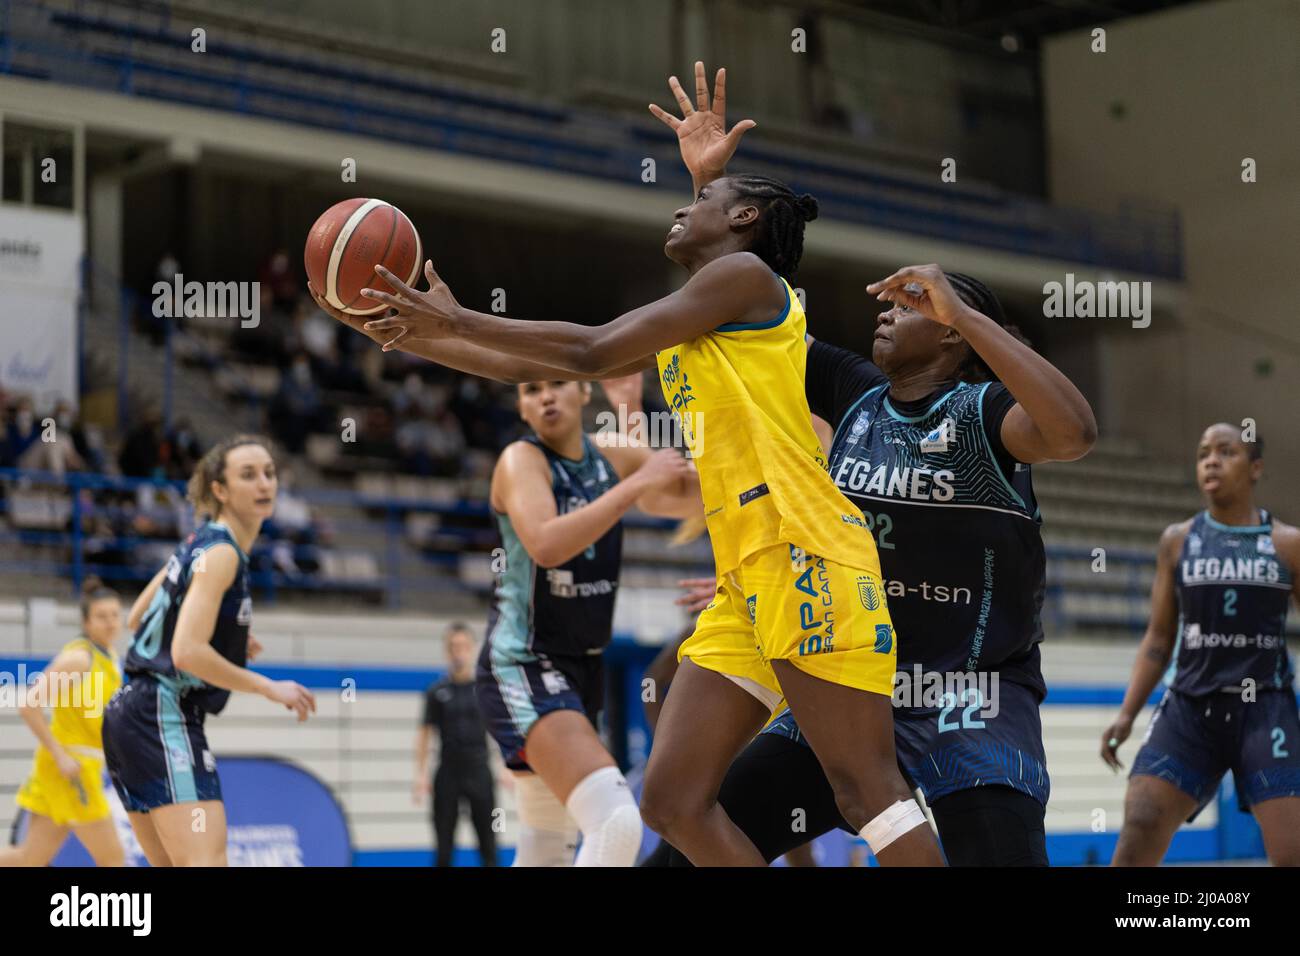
x: 65, y: 790
x: 800, y: 608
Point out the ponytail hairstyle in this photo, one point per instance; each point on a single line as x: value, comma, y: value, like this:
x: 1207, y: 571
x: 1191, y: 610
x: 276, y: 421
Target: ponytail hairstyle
x: 212, y: 467
x: 92, y: 590
x: 980, y: 297
x: 778, y: 233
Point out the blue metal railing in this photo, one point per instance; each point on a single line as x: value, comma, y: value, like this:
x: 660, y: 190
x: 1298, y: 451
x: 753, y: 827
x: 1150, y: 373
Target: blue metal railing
x: 70, y: 535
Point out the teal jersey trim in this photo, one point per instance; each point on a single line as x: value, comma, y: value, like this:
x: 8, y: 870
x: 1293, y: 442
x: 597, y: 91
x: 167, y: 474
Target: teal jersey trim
x: 176, y: 743
x: 514, y: 597
x: 758, y: 326
x: 1240, y: 528
x: 898, y: 416
x: 997, y: 469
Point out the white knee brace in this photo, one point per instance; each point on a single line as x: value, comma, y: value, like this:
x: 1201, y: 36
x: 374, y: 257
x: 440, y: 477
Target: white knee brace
x: 608, y: 818
x: 548, y: 836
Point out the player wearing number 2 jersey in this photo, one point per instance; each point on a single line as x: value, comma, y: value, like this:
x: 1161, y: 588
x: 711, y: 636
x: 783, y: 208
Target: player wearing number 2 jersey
x: 1223, y: 582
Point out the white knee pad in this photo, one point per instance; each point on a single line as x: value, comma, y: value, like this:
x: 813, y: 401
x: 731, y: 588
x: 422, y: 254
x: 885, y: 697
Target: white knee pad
x: 608, y: 818
x: 548, y: 836
x: 891, y: 824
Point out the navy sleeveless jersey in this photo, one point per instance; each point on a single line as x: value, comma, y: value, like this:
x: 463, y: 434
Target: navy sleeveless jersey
x: 569, y: 609
x: 1232, y: 603
x: 954, y: 516
x: 151, y: 647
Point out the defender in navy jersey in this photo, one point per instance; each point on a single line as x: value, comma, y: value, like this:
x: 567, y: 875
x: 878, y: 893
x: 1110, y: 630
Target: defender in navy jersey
x: 1219, y: 602
x: 935, y: 451
x: 189, y: 652
x: 559, y: 496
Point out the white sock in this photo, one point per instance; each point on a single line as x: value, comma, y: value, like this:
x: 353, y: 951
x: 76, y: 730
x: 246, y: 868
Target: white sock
x: 547, y: 834
x: 608, y: 818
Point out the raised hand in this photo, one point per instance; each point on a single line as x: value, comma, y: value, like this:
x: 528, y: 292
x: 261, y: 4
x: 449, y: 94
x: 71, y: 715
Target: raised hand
x: 924, y: 289
x: 702, y: 133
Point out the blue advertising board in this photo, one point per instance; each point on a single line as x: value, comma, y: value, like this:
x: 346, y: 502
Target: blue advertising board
x: 277, y: 814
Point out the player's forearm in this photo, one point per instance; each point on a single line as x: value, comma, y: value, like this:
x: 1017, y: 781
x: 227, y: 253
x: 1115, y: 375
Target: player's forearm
x: 567, y: 536
x: 144, y: 600
x: 34, y: 718
x: 580, y: 352
x: 207, y: 665
x: 1152, y: 660
x: 1058, y: 409
x: 484, y: 362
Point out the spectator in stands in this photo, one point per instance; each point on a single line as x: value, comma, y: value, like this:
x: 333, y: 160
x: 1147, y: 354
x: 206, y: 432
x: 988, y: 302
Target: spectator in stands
x: 463, y: 772
x: 141, y: 451
x: 181, y: 451
x: 280, y: 278
x: 297, y: 408
x: 292, y: 530
x: 86, y: 440
x: 21, y: 432
x: 267, y: 342
x: 431, y: 443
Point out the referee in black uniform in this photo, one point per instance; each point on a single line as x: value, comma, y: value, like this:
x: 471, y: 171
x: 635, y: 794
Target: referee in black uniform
x: 451, y: 709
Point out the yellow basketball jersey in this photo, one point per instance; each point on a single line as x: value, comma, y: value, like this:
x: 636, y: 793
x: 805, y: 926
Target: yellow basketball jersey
x: 738, y: 393
x: 77, y: 719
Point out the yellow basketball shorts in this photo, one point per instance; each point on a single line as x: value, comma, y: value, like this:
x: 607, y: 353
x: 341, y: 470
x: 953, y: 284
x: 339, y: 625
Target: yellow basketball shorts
x: 829, y: 620
x: 66, y: 802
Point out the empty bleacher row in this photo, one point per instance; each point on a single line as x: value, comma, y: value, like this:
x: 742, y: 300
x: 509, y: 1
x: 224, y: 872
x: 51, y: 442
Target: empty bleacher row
x: 285, y: 70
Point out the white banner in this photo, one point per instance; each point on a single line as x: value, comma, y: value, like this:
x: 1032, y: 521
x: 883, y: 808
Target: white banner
x: 40, y: 255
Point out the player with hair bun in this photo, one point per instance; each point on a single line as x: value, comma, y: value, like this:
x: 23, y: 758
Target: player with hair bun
x: 189, y: 652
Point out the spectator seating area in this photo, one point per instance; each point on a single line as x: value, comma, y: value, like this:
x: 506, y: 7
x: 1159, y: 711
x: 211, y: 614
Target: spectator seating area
x: 290, y: 71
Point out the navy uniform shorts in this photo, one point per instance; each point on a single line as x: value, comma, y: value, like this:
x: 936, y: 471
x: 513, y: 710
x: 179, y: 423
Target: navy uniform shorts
x: 966, y: 741
x: 155, y: 748
x: 1193, y: 740
x: 514, y: 694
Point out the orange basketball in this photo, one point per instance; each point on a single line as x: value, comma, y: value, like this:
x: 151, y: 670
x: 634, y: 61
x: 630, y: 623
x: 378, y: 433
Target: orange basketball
x: 348, y: 241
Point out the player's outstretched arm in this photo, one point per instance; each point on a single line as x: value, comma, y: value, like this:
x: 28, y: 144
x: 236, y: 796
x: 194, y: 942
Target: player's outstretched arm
x: 213, y: 573
x: 733, y: 288
x: 1156, y: 647
x: 1051, y: 420
x: 702, y: 134
x: 465, y: 356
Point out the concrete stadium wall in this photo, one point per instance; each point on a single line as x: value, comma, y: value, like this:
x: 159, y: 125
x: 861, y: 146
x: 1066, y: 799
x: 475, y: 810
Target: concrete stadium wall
x: 1168, y: 113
